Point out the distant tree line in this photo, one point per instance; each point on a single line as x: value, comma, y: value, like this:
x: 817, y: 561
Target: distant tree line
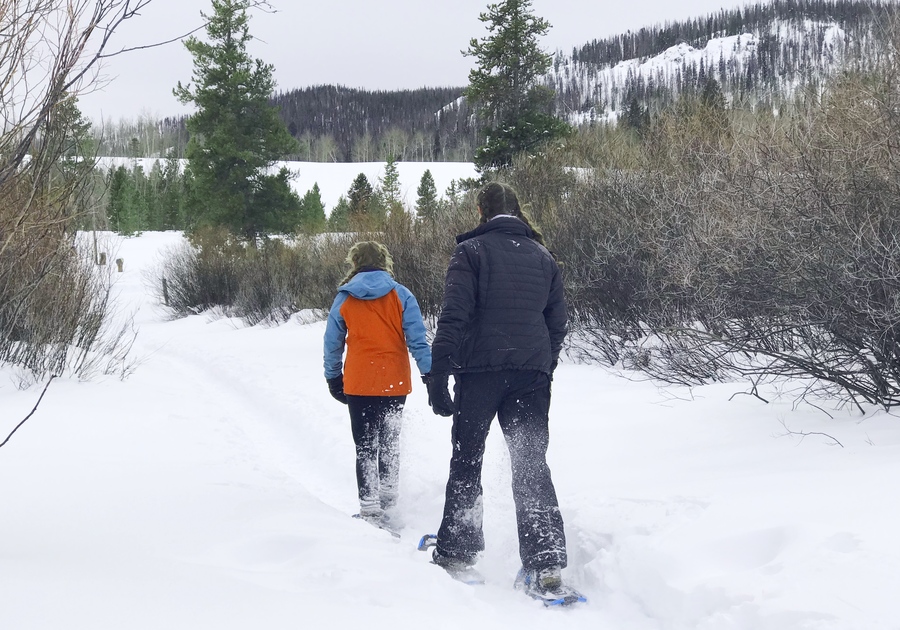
x: 132, y: 200
x: 129, y: 200
x: 423, y: 125
x: 278, y: 277
x: 331, y: 124
x: 142, y: 137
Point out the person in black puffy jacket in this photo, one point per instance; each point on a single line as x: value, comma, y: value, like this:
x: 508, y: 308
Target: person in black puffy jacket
x: 500, y: 332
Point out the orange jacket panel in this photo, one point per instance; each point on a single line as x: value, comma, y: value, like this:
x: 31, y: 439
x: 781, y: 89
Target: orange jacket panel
x: 377, y: 362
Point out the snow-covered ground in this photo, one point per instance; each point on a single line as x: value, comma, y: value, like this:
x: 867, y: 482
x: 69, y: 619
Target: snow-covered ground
x: 213, y: 488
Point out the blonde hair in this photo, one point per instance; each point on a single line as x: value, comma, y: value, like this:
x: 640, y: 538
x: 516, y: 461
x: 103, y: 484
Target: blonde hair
x: 368, y: 255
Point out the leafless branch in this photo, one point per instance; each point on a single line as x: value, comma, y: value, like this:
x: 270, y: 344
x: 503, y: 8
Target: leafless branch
x: 804, y: 434
x: 31, y: 413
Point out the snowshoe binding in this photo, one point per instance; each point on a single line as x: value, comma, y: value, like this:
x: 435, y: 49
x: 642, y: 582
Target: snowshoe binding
x: 546, y: 586
x: 457, y: 569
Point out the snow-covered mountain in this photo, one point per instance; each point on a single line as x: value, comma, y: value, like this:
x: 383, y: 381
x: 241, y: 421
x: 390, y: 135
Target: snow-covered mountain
x: 589, y: 91
x: 759, y: 56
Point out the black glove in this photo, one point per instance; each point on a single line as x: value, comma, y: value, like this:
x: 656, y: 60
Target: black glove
x: 336, y: 387
x: 439, y: 393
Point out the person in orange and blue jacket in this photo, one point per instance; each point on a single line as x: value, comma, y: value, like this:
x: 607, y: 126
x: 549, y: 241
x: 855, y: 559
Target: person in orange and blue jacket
x: 378, y: 319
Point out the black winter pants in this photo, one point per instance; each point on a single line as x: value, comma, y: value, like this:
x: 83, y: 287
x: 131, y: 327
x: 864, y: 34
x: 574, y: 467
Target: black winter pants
x: 375, y: 422
x: 521, y: 401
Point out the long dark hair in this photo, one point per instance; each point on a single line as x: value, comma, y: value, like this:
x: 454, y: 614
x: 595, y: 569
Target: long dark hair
x: 496, y: 198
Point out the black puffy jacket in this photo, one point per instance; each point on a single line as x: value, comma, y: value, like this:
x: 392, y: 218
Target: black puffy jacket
x: 504, y: 306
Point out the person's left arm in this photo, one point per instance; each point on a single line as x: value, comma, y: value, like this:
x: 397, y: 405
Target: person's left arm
x: 556, y: 315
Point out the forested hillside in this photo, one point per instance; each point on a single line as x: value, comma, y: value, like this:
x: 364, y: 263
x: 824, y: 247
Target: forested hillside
x: 341, y: 124
x: 759, y: 55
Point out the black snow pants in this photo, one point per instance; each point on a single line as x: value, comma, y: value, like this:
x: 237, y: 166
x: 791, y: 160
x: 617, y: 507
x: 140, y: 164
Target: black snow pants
x: 375, y: 422
x: 521, y: 401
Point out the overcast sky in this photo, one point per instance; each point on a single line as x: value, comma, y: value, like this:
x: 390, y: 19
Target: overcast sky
x: 392, y: 44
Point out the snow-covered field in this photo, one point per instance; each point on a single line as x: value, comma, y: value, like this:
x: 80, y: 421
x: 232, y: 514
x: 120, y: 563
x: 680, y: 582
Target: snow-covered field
x: 213, y: 488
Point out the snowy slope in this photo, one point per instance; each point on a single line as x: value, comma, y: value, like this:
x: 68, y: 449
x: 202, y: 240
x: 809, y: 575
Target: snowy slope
x: 213, y: 488
x: 723, y: 58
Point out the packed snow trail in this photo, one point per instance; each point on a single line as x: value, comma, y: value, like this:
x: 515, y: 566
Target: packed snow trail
x: 213, y: 488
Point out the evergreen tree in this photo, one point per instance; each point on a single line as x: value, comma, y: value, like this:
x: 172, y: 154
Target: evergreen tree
x: 364, y: 209
x: 151, y: 192
x: 427, y: 201
x: 515, y: 108
x: 125, y: 208
x: 339, y: 219
x: 636, y: 117
x: 277, y: 207
x: 452, y: 194
x: 137, y: 201
x: 390, y: 182
x: 116, y: 198
x: 172, y: 193
x: 236, y: 135
x: 312, y: 211
x: 711, y: 96
x: 389, y: 189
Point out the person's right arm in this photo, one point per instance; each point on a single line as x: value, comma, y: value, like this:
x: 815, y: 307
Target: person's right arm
x: 335, y: 337
x: 460, y: 290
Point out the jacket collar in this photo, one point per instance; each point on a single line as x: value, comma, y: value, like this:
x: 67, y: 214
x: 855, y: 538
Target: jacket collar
x: 507, y: 225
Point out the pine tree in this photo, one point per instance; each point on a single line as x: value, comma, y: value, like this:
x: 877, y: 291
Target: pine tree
x: 389, y: 189
x: 339, y: 219
x: 427, y: 201
x: 312, y: 211
x: 117, y: 198
x: 712, y: 102
x: 364, y: 209
x: 126, y: 204
x: 636, y: 117
x: 236, y: 135
x: 515, y: 108
x: 712, y: 96
x: 390, y: 182
x: 172, y: 194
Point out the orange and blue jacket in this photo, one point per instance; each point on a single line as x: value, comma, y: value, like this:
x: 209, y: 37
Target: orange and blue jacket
x: 378, y: 320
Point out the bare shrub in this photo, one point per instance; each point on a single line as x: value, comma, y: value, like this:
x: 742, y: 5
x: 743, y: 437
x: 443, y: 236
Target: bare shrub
x: 269, y: 281
x: 762, y: 248
x: 204, y: 272
x: 281, y: 279
x: 52, y: 304
x: 263, y: 282
x: 52, y: 307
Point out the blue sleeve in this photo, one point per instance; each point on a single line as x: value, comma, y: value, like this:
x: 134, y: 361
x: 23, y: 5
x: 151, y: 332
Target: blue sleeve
x: 335, y: 336
x: 414, y: 330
